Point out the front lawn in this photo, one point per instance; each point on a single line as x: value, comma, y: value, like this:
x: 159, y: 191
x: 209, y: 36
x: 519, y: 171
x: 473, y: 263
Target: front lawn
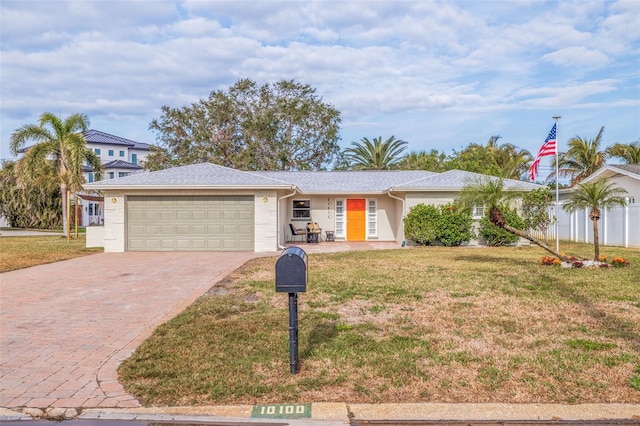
x: 416, y: 324
x: 23, y: 252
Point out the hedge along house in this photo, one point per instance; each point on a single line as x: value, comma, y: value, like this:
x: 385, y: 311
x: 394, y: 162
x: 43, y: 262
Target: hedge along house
x: 205, y: 207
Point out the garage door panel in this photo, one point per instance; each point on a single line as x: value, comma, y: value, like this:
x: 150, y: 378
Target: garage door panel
x: 190, y: 223
x: 182, y: 214
x: 167, y: 214
x: 152, y: 215
x: 245, y: 215
x: 199, y: 229
x: 199, y: 215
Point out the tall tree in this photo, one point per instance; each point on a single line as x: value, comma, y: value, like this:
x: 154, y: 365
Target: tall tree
x: 432, y: 161
x: 595, y: 196
x: 490, y: 193
x: 582, y: 159
x: 628, y: 152
x: 60, y: 141
x: 279, y: 126
x: 376, y: 154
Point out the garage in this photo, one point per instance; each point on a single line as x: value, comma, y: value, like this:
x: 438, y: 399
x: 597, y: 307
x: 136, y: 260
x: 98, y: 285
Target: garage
x: 190, y: 223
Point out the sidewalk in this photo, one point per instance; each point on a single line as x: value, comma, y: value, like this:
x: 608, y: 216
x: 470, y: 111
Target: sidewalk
x: 27, y: 233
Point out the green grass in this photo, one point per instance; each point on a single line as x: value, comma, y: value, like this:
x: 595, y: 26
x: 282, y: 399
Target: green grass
x: 417, y: 324
x: 23, y: 252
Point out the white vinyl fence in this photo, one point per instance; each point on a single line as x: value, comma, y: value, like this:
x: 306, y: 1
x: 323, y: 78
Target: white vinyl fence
x: 619, y: 226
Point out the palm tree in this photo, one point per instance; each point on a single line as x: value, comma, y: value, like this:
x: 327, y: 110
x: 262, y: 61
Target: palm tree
x: 432, y: 161
x: 505, y: 161
x: 376, y: 155
x: 582, y: 158
x: 629, y: 152
x: 595, y: 196
x: 490, y: 192
x: 60, y: 141
x: 511, y: 161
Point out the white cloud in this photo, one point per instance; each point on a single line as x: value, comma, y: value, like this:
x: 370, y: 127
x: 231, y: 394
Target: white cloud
x: 410, y: 64
x: 577, y: 56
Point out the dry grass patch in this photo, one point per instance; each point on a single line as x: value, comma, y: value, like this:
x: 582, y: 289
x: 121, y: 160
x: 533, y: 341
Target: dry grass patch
x: 24, y: 252
x: 410, y: 325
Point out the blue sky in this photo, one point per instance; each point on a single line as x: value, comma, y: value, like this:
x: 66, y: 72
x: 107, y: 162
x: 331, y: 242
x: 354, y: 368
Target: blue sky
x: 438, y: 75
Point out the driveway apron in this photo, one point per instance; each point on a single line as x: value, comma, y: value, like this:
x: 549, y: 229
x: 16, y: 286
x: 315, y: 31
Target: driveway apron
x: 65, y: 327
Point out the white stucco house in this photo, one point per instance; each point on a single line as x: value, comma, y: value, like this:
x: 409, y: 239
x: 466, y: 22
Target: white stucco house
x: 206, y: 207
x: 619, y: 226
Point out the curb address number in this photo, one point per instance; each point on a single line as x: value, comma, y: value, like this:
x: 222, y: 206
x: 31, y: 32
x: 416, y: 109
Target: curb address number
x: 281, y: 411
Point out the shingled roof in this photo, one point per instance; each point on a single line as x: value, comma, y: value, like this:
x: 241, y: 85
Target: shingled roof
x: 344, y: 182
x: 206, y: 175
x: 454, y: 180
x: 203, y: 175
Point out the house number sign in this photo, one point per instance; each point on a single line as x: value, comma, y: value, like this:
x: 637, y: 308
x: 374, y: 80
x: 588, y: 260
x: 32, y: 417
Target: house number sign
x: 281, y: 411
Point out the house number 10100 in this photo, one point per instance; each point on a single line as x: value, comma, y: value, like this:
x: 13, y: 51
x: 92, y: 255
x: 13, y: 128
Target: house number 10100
x: 281, y: 411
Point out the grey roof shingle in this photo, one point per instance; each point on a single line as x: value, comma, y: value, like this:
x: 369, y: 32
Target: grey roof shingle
x: 357, y: 182
x: 203, y: 175
x: 455, y: 180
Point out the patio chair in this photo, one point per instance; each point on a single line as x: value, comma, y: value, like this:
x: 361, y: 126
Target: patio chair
x: 297, y: 231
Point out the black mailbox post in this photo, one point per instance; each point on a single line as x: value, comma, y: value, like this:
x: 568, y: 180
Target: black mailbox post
x: 291, y: 278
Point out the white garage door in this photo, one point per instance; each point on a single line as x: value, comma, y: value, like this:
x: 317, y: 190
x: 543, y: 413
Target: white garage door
x: 190, y: 223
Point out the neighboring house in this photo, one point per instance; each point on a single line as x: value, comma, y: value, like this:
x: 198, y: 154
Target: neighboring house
x: 205, y: 207
x: 619, y: 226
x: 120, y: 157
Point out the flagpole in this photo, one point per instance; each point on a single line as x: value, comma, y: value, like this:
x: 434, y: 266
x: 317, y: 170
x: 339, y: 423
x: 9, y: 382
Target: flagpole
x: 556, y: 118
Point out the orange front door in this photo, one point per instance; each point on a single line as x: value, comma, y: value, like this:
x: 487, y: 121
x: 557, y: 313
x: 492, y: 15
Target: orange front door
x: 356, y: 219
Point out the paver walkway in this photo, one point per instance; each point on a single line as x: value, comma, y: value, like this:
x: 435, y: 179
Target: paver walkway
x: 66, y: 326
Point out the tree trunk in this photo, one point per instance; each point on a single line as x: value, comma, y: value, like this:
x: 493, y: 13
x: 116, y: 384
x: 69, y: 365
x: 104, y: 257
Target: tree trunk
x: 596, y: 241
x: 63, y: 193
x: 535, y: 241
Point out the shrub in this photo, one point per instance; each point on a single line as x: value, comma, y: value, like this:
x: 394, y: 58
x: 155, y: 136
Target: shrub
x: 450, y: 225
x: 421, y: 223
x: 495, y: 236
x: 454, y: 225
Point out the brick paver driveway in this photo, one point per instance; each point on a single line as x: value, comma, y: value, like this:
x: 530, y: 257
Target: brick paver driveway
x: 65, y: 327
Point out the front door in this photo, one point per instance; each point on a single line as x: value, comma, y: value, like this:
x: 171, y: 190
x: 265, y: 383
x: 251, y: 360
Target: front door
x: 356, y: 219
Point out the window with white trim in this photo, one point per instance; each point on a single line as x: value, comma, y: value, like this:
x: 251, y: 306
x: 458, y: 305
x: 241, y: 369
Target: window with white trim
x: 372, y: 218
x: 301, y: 210
x: 340, y: 219
x: 477, y: 212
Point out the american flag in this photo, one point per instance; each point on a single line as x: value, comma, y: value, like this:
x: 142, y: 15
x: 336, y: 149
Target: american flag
x: 548, y: 148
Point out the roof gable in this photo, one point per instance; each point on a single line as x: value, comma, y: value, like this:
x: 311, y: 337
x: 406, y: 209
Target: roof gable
x: 612, y: 170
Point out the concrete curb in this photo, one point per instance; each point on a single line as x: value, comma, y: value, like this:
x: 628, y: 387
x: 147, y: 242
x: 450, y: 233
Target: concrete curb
x: 340, y: 414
